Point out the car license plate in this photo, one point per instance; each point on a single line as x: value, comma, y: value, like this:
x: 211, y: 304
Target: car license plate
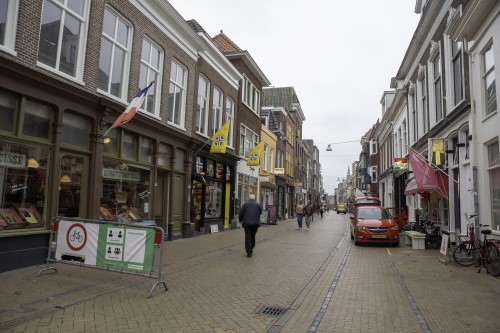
x: 378, y: 236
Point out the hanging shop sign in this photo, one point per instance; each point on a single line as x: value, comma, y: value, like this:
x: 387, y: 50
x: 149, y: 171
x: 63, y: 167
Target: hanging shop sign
x: 279, y: 171
x: 120, y: 175
x: 436, y: 148
x: 400, y: 164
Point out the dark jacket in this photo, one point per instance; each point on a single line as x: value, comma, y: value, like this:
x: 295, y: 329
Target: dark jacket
x: 309, y: 210
x: 250, y: 214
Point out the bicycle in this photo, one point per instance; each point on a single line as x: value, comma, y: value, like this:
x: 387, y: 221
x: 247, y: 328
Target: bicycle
x: 469, y: 250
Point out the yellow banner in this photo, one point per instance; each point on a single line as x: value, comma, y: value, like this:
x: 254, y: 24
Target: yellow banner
x: 219, y: 140
x: 254, y: 155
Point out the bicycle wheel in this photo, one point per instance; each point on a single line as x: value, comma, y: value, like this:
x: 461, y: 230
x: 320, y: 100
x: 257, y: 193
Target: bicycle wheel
x: 465, y: 254
x: 492, y: 259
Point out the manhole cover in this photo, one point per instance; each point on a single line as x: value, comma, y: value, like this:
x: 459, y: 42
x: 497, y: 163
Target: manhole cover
x: 271, y: 311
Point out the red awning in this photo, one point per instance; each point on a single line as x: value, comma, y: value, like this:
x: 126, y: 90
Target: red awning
x: 427, y: 179
x: 413, y: 188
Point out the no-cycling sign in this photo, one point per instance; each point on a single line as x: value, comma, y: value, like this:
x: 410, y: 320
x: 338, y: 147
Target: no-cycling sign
x: 106, y: 245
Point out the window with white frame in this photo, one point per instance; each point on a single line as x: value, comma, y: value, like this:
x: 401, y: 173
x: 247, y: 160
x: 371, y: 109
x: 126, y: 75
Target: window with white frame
x: 202, y: 107
x: 493, y: 153
x: 116, y: 43
x: 177, y: 94
x: 489, y: 81
x: 251, y: 95
x: 457, y: 68
x: 438, y: 92
x: 229, y: 115
x: 403, y: 139
x: 265, y: 157
x: 62, y: 36
x: 151, y: 70
x: 373, y: 173
x: 279, y: 159
x: 412, y: 104
x: 424, y: 109
x: 248, y: 140
x: 271, y: 159
x: 373, y: 146
x: 8, y: 24
x: 217, y: 109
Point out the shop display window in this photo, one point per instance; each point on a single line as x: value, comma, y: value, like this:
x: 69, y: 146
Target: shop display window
x: 23, y: 179
x: 213, y: 200
x: 124, y: 185
x: 197, y: 203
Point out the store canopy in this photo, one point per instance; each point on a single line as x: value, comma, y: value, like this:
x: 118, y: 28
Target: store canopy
x: 427, y: 179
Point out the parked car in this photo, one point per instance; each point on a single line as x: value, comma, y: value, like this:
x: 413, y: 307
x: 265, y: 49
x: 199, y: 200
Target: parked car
x: 366, y: 201
x: 373, y: 224
x: 341, y: 208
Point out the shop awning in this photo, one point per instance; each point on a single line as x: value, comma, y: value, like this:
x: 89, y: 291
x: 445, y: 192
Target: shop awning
x: 427, y: 179
x: 413, y: 188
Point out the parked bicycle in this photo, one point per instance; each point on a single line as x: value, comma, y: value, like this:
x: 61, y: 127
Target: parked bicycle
x: 432, y: 233
x: 469, y: 250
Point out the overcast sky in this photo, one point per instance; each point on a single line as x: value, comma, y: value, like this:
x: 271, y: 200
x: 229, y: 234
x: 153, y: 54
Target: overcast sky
x: 338, y: 55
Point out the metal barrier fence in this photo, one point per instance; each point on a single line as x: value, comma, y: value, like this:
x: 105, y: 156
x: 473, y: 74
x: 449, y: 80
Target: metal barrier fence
x: 111, y: 246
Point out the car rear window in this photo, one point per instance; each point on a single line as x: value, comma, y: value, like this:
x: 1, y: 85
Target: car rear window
x: 374, y: 213
x: 367, y: 201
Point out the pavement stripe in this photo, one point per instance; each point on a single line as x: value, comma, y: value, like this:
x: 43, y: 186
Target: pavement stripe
x: 329, y: 294
x: 411, y: 300
x: 280, y: 323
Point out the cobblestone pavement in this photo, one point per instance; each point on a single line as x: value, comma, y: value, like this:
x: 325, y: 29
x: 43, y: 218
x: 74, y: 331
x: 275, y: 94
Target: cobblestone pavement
x: 296, y: 281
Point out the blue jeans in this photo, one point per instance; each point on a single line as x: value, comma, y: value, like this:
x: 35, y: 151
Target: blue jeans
x: 299, y: 219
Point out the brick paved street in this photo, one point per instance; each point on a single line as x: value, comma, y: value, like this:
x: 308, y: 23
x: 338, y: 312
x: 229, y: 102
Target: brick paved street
x: 316, y: 280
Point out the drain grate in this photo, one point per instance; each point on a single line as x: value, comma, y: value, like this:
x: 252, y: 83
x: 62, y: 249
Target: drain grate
x: 271, y: 311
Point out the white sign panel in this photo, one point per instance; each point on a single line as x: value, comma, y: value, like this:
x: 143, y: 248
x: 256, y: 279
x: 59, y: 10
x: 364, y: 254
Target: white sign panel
x: 77, y: 242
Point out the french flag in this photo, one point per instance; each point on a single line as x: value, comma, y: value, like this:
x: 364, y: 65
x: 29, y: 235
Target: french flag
x: 131, y: 109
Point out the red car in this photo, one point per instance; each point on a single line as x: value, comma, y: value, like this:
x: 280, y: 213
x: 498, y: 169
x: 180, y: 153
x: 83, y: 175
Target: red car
x: 373, y: 224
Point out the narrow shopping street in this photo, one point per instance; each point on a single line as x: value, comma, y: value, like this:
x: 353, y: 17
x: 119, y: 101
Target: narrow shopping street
x: 296, y: 281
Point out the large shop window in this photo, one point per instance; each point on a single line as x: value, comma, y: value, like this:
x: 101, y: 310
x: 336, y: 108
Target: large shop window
x: 246, y: 185
x: 213, y: 200
x: 125, y: 185
x: 23, y: 179
x: 24, y: 165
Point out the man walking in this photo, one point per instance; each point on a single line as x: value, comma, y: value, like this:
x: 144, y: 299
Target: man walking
x: 249, y: 217
x: 309, y: 210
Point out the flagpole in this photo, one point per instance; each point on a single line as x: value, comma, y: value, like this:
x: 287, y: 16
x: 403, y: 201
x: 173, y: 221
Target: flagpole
x: 206, y: 142
x: 433, y: 165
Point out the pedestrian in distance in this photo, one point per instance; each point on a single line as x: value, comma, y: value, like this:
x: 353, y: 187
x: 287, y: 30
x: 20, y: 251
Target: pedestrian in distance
x: 309, y: 211
x: 321, y: 211
x: 249, y: 217
x: 299, y: 210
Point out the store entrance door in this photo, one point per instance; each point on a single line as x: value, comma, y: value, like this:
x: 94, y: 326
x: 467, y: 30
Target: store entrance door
x: 161, y: 200
x: 177, y: 202
x: 72, y: 192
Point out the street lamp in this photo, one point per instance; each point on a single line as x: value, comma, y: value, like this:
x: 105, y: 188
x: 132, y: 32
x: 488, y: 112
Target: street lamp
x: 329, y: 148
